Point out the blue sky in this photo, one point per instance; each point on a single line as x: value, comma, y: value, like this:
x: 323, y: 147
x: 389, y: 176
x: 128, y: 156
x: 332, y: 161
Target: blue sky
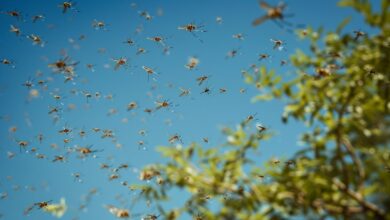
x: 193, y: 117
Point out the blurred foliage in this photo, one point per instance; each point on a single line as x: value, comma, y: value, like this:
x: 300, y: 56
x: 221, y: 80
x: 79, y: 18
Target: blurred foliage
x: 341, y: 91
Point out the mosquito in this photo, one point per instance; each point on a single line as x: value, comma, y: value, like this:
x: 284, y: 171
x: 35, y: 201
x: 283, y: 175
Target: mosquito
x: 278, y: 44
x: 39, y: 205
x: 260, y: 128
x: 274, y: 14
x: 40, y: 138
x: 149, y: 71
x: 68, y: 5
x: 175, y: 138
x: 222, y: 90
x: 157, y: 39
x: 167, y: 50
x: 118, y: 212
x: 219, y: 20
x: 140, y: 50
x: 22, y: 144
x: 14, y: 13
x: 358, y: 34
x: 107, y: 133
x: 163, y: 104
x: 142, y: 132
x: 192, y: 63
x: 242, y: 90
x: 65, y: 130
x: 202, y: 79
x: 129, y: 41
x: 15, y: 30
x: 121, y: 61
x: 131, y: 106
x: 184, y: 92
x: 8, y: 62
x: 232, y: 53
x: 148, y: 174
x: 263, y: 56
x: 193, y: 29
x: 113, y: 176
x: 54, y: 109
x: 206, y: 90
x: 76, y: 177
x: 148, y: 110
x: 28, y: 84
x: 91, y: 67
x: 37, y: 40
x: 250, y: 118
x: 40, y: 156
x: 10, y: 155
x: 99, y: 25
x: 151, y: 217
x: 145, y: 15
x: 238, y: 36
x: 86, y: 151
x: 62, y: 65
x: 141, y: 145
x: 39, y: 17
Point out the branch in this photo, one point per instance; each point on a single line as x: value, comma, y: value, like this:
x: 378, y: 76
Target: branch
x: 336, y: 209
x: 356, y: 160
x: 359, y: 198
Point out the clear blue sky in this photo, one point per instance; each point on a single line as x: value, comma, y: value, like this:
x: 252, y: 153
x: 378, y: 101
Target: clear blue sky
x: 193, y: 117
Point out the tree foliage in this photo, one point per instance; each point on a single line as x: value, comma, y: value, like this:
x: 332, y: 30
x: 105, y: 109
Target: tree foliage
x: 341, y: 91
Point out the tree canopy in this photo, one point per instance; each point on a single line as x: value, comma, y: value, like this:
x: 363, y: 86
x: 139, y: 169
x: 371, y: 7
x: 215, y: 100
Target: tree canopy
x: 341, y: 92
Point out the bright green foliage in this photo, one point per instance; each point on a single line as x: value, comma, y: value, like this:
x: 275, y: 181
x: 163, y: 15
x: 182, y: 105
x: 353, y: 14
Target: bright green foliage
x: 341, y: 91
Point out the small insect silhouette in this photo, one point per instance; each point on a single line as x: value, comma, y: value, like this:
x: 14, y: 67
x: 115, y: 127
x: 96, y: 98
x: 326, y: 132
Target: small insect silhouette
x: 275, y: 14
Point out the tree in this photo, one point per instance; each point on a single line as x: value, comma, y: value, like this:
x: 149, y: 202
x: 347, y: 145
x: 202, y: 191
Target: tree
x: 344, y: 170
